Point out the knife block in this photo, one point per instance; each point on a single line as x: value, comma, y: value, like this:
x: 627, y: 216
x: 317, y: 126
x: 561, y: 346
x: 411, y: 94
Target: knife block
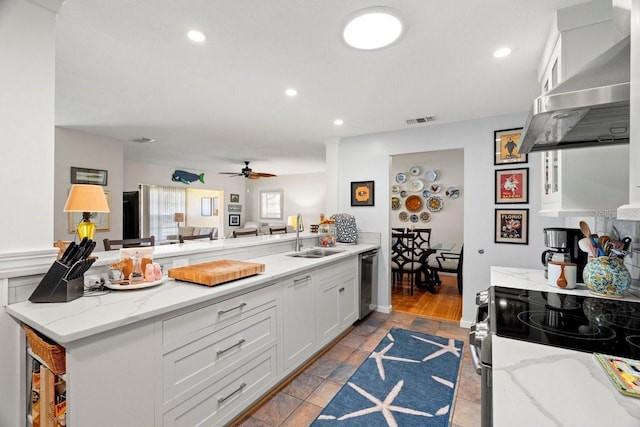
x: 55, y: 288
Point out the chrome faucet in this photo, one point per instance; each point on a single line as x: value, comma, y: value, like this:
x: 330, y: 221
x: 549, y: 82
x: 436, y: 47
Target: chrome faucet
x: 298, y: 222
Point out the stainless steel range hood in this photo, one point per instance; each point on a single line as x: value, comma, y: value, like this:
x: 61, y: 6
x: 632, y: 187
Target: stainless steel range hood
x: 591, y: 108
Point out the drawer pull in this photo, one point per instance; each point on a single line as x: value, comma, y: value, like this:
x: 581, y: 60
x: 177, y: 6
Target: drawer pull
x: 341, y: 289
x: 304, y: 279
x: 219, y: 352
x: 222, y: 399
x: 238, y: 307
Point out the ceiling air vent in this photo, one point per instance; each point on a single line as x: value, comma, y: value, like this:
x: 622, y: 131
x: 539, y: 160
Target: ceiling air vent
x: 421, y: 120
x: 143, y: 140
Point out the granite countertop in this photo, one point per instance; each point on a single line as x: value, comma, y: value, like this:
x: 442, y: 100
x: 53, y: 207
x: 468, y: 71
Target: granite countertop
x: 90, y: 315
x: 538, y: 385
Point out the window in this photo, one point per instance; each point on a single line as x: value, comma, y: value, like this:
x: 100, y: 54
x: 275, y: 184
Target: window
x: 271, y: 204
x: 163, y: 203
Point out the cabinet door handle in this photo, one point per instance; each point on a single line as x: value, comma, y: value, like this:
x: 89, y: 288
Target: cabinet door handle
x: 222, y: 399
x: 238, y: 307
x: 304, y: 279
x: 341, y: 289
x: 219, y: 352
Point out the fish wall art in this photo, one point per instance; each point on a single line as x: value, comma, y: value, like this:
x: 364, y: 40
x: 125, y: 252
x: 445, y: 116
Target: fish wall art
x: 187, y: 177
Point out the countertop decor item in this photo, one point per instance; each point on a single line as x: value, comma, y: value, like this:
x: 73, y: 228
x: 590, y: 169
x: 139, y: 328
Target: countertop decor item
x: 413, y: 203
x: 216, y: 272
x: 606, y: 276
x: 413, y: 373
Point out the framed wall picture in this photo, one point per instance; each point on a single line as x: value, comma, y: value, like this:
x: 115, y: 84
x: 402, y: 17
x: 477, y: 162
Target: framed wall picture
x: 234, y: 220
x: 102, y: 220
x: 507, y: 147
x: 512, y: 185
x: 234, y: 198
x: 88, y: 176
x: 362, y: 193
x: 234, y: 208
x: 206, y: 205
x: 512, y: 226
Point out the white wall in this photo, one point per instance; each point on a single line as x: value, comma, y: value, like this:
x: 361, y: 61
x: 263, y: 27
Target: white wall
x: 447, y: 226
x: 303, y: 193
x: 78, y: 149
x: 369, y: 158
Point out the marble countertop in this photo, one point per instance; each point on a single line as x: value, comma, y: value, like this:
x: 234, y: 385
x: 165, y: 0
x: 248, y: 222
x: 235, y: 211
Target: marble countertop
x: 90, y: 315
x: 538, y: 385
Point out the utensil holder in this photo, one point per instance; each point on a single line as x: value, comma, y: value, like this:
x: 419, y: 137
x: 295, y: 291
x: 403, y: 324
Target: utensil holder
x: 606, y: 276
x: 55, y: 288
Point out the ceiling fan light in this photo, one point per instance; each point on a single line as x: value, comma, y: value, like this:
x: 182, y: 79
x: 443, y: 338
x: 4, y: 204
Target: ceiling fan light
x: 373, y: 28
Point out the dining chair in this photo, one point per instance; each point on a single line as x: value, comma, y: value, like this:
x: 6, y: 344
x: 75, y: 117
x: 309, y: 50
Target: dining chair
x: 448, y: 262
x: 403, y: 258
x: 128, y: 243
x: 245, y: 233
x: 278, y: 230
x: 182, y: 238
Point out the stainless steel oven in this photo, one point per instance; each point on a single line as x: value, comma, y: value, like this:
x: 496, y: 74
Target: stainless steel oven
x: 576, y: 322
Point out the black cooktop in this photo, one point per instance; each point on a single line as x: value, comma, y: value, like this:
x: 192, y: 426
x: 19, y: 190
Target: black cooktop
x: 582, y: 323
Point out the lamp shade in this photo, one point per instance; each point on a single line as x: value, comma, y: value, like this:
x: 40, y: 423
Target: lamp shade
x: 86, y: 198
x: 178, y: 217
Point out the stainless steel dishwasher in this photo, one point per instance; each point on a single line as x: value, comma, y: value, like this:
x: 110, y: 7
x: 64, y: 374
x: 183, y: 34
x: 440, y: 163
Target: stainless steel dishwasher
x: 368, y: 277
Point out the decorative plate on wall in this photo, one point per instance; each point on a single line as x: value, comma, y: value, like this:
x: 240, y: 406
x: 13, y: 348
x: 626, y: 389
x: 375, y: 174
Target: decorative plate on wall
x: 403, y: 193
x: 395, y: 203
x: 431, y: 176
x: 435, y: 188
x: 415, y: 185
x: 415, y: 170
x: 414, y: 218
x: 452, y: 192
x: 425, y: 216
x: 435, y: 203
x: 403, y: 216
x: 413, y: 203
x: 426, y: 194
x: 401, y: 178
x: 395, y: 189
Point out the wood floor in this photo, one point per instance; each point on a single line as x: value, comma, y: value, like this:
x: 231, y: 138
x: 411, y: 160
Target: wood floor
x: 445, y: 304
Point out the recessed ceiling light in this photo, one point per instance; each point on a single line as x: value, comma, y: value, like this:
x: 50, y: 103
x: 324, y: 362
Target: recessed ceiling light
x: 291, y: 92
x: 372, y: 28
x: 338, y: 122
x: 502, y: 52
x: 196, y: 36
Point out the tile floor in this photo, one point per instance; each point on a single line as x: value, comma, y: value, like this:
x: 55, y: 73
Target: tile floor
x: 299, y: 402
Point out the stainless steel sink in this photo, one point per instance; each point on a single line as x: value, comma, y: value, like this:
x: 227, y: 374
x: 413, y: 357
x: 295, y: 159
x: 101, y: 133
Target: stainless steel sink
x: 316, y: 253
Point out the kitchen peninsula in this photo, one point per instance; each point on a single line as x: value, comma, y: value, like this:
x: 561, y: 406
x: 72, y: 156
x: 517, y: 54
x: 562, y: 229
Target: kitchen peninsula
x: 536, y: 385
x: 183, y: 354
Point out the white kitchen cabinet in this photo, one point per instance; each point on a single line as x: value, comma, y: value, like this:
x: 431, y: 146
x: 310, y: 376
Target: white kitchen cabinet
x: 580, y: 182
x: 336, y: 299
x: 298, y: 321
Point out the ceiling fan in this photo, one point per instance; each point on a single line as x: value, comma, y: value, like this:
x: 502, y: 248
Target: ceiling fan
x: 247, y: 172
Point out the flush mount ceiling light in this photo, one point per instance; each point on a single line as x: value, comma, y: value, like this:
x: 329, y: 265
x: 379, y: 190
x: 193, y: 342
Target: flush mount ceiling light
x: 338, y: 122
x: 502, y: 52
x: 372, y: 28
x: 291, y: 92
x: 196, y: 36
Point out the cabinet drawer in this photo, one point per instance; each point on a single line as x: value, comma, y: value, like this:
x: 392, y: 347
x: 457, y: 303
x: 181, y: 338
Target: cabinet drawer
x: 180, y: 330
x: 190, y: 368
x: 227, y: 398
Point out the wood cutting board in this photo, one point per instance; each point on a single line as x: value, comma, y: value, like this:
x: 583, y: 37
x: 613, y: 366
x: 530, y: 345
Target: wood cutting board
x: 216, y: 272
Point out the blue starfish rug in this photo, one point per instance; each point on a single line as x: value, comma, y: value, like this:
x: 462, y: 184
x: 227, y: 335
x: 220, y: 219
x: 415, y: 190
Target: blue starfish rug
x: 408, y: 380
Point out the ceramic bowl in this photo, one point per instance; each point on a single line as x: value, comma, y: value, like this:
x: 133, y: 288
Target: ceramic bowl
x: 606, y: 276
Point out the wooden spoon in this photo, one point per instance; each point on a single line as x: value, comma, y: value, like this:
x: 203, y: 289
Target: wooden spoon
x: 562, y: 281
x: 585, y: 229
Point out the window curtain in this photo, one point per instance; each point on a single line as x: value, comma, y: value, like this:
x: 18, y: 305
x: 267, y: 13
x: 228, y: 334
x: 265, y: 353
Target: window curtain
x: 163, y: 203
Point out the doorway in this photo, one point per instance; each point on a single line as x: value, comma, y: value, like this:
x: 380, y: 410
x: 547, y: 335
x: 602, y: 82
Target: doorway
x: 427, y: 193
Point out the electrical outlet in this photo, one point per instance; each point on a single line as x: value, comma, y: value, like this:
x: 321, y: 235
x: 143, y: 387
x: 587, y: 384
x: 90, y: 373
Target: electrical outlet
x: 182, y: 262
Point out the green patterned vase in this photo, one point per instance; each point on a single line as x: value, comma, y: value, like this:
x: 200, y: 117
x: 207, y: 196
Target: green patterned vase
x: 606, y: 276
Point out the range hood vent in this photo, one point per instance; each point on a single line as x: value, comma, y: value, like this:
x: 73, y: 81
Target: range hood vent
x: 591, y: 108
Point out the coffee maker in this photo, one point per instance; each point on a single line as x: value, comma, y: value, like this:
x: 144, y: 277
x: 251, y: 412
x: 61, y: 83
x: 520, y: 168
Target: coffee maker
x: 563, y: 246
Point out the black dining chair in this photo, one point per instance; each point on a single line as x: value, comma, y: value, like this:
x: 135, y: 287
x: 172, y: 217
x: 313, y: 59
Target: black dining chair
x: 448, y: 262
x: 403, y: 258
x: 128, y: 243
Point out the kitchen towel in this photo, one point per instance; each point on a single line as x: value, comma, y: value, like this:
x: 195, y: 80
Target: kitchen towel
x: 408, y: 380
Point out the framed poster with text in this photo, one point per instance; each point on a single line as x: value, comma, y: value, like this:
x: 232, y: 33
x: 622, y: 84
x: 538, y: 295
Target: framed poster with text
x: 512, y: 226
x: 512, y: 186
